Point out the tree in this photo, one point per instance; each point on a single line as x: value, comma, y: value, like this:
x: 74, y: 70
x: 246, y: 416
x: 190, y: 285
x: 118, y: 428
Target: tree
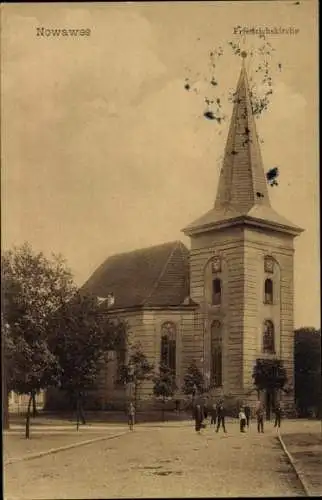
x: 8, y: 352
x: 164, y: 385
x: 307, y: 355
x: 36, y: 368
x: 33, y: 287
x: 136, y: 370
x: 269, y: 375
x: 193, y: 381
x: 80, y: 338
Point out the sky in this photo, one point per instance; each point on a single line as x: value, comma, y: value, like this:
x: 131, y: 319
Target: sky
x: 103, y: 149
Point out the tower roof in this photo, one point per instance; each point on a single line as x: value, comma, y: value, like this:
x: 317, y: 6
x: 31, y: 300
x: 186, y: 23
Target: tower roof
x: 242, y: 189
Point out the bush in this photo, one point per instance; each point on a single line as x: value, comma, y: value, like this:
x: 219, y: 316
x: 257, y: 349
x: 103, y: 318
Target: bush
x: 232, y: 406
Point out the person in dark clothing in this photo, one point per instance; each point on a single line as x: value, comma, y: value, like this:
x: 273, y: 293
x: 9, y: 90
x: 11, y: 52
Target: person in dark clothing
x: 213, y: 413
x: 80, y: 408
x: 278, y: 416
x: 247, y: 414
x: 221, y: 416
x: 177, y: 405
x: 198, y: 414
x: 205, y: 411
x: 260, y: 418
x: 131, y: 416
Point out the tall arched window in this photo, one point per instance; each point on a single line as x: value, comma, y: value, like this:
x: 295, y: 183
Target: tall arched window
x: 168, y: 345
x: 216, y: 354
x: 216, y: 291
x: 269, y: 337
x: 268, y: 291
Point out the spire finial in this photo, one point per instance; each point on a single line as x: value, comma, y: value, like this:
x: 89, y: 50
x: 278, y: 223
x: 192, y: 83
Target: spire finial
x: 243, y: 56
x: 243, y: 52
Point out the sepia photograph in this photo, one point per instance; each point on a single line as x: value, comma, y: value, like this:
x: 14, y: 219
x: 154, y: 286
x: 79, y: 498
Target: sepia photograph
x: 160, y: 265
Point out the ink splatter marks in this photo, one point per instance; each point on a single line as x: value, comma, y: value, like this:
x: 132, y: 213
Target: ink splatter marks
x: 272, y: 175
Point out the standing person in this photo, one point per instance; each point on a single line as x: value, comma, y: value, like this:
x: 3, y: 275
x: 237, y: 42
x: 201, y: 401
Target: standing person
x: 198, y: 415
x: 221, y: 416
x: 131, y: 416
x: 260, y: 417
x: 247, y: 414
x: 80, y: 408
x: 213, y: 413
x: 278, y: 416
x: 177, y: 405
x: 242, y: 419
x: 205, y: 408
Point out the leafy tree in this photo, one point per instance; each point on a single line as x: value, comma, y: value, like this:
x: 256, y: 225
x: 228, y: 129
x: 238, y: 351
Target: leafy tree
x: 307, y: 353
x: 80, y: 338
x: 8, y: 353
x: 164, y: 385
x: 136, y: 370
x: 36, y: 368
x: 33, y: 287
x: 28, y: 367
x: 269, y: 375
x: 193, y: 382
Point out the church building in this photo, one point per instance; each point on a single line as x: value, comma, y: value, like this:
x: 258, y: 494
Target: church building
x: 226, y: 301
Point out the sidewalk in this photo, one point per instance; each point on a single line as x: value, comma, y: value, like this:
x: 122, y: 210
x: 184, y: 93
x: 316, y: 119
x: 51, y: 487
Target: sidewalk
x: 98, y: 418
x: 48, y: 439
x: 16, y: 448
x: 303, y: 441
x: 45, y: 429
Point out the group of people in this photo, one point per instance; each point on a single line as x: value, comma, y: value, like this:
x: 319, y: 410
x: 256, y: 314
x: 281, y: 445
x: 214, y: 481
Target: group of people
x: 218, y: 414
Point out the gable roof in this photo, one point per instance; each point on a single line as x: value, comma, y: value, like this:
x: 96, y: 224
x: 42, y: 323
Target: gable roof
x: 154, y: 276
x: 242, y: 188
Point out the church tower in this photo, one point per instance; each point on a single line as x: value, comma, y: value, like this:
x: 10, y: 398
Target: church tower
x: 241, y: 267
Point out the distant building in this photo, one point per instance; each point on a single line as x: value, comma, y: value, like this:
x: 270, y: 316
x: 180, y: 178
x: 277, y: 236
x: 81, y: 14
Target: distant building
x: 18, y: 403
x: 225, y: 302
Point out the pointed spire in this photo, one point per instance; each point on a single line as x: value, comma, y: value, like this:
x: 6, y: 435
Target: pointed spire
x: 242, y: 182
x: 242, y: 193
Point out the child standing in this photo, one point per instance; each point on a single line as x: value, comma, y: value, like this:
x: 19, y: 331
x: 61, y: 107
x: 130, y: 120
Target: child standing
x: 247, y: 414
x: 260, y: 417
x: 221, y: 416
x: 242, y: 420
x: 198, y: 416
x: 131, y: 416
x: 213, y: 414
x: 278, y: 415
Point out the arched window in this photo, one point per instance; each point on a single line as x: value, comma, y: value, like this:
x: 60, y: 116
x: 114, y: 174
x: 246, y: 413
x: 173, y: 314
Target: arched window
x: 269, y: 337
x: 216, y: 354
x: 168, y: 345
x: 216, y: 291
x: 268, y: 291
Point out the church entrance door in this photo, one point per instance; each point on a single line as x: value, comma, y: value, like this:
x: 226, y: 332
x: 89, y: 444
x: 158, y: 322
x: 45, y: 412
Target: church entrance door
x: 270, y: 400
